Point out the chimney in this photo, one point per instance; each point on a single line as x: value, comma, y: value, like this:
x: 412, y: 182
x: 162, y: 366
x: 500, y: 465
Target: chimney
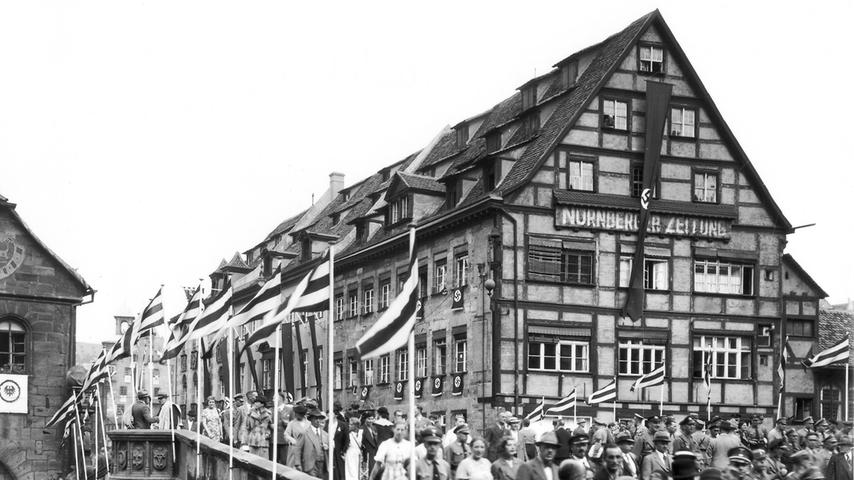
x: 336, y: 183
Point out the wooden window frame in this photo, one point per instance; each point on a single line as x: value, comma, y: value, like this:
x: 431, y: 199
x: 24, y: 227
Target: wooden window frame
x: 681, y: 136
x: 652, y: 45
x: 594, y: 172
x: 646, y: 259
x: 640, y: 346
x: 613, y: 128
x: 739, y: 351
x: 560, y: 343
x: 710, y: 172
x: 729, y: 263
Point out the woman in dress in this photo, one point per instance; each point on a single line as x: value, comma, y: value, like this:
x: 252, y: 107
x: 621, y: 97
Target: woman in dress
x: 507, y: 464
x: 475, y: 467
x: 353, y: 455
x: 211, y: 421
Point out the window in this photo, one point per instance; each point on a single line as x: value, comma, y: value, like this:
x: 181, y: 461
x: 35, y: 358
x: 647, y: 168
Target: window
x: 340, y: 307
x: 183, y: 363
x: 800, y: 327
x: 682, y: 122
x: 421, y: 361
x: 637, y: 358
x: 569, y: 73
x: 440, y: 353
x: 529, y: 96
x: 493, y: 142
x: 615, y: 114
x: 129, y: 375
x: 490, y: 176
x: 338, y: 374
x: 123, y: 390
x: 803, y: 407
x: 462, y: 135
x: 453, y: 192
x: 194, y: 359
x: 461, y: 269
x: 580, y: 175
x: 460, y: 354
x: 13, y: 347
x: 730, y: 356
x: 549, y: 261
x: 385, y: 293
x: 651, y: 59
x: 353, y: 379
x: 441, y: 269
x: 637, y: 180
x: 368, y: 304
x: 655, y: 273
x: 423, y: 286
x: 385, y: 366
x: 706, y: 187
x: 531, y: 123
x: 559, y: 356
x: 267, y: 373
x: 353, y: 298
x: 368, y: 371
x: 402, y: 364
x: 336, y: 217
x: 830, y: 403
x: 155, y: 377
x: 714, y: 276
x: 399, y: 210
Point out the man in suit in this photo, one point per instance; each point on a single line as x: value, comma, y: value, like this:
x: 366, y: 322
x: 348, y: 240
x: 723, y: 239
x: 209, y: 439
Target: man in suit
x: 612, y: 463
x: 312, y: 446
x: 527, y: 448
x: 562, y: 435
x: 493, y: 435
x: 369, y: 438
x: 839, y: 465
x: 340, y: 440
x: 630, y: 461
x: 535, y: 469
x: 723, y: 443
x: 140, y: 412
x: 294, y: 432
x: 659, y: 461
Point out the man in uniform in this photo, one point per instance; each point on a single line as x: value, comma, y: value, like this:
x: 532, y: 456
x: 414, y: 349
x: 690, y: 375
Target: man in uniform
x: 808, y: 427
x: 740, y: 464
x: 824, y: 454
x: 774, y: 462
x: 779, y: 430
x: 754, y: 436
x: 578, y: 443
x: 723, y: 444
x: 459, y: 449
x: 839, y: 466
x: 684, y: 441
x: 644, y: 444
x: 760, y: 465
x: 432, y: 467
x: 140, y: 413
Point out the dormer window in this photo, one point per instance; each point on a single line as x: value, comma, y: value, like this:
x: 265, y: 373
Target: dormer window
x: 493, y: 142
x: 305, y: 245
x: 568, y: 74
x: 345, y: 195
x: 531, y: 123
x: 462, y: 135
x: 361, y: 232
x: 398, y: 210
x: 651, y: 59
x: 336, y: 217
x: 453, y: 193
x: 615, y: 114
x: 529, y: 96
x: 490, y: 175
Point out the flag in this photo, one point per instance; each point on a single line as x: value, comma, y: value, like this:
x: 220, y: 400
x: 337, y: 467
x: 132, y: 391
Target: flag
x: 70, y: 422
x: 310, y: 295
x: 657, y: 108
x: 213, y: 317
x: 391, y: 331
x: 651, y: 379
x: 831, y: 355
x: 457, y: 385
x: 267, y: 299
x: 608, y: 392
x: 781, y: 368
x: 398, y: 390
x: 537, y: 413
x: 181, y: 326
x: 123, y: 347
x: 707, y: 371
x: 565, y: 405
x: 97, y: 372
x: 419, y: 387
x: 457, y: 299
x: 438, y: 385
x: 152, y: 316
x: 64, y: 410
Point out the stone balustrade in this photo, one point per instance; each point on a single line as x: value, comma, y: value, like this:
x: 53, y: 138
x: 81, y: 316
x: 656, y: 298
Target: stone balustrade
x: 148, y: 454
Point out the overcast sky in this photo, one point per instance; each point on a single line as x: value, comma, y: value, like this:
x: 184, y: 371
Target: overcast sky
x: 144, y: 141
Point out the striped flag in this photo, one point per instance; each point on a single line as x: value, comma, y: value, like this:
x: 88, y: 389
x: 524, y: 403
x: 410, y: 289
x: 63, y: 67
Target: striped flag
x: 651, y: 379
x: 310, y: 295
x: 391, y: 331
x: 781, y: 368
x: 608, y: 392
x: 152, y: 316
x: 213, y: 317
x: 70, y: 422
x: 537, y: 413
x: 123, y: 347
x: 565, y: 405
x: 834, y: 354
x: 266, y: 300
x: 64, y: 410
x: 181, y: 326
x: 97, y: 372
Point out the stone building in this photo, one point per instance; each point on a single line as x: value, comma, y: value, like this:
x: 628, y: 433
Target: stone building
x: 39, y: 296
x: 540, y: 195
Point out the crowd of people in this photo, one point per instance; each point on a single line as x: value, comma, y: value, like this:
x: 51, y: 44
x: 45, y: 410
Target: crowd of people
x: 372, y: 444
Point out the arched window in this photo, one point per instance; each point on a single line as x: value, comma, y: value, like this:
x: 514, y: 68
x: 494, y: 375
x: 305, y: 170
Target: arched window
x: 13, y: 346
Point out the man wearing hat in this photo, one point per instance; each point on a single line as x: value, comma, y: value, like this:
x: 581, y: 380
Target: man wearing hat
x: 684, y: 465
x: 312, y: 446
x: 723, y: 443
x: 140, y: 413
x: 808, y: 427
x: 644, y: 444
x: 800, y: 462
x: 459, y: 449
x: 630, y: 461
x: 684, y: 441
x: 779, y: 430
x: 760, y: 465
x: 535, y: 469
x: 740, y: 464
x: 839, y: 465
x: 578, y: 444
x: 293, y: 433
x: 563, y: 435
x: 828, y: 449
x: 754, y: 436
x: 774, y: 461
x: 658, y: 461
x: 169, y: 415
x: 432, y: 466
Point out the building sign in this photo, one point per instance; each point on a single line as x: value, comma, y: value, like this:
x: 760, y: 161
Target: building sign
x: 627, y: 221
x: 11, y: 256
x: 13, y: 393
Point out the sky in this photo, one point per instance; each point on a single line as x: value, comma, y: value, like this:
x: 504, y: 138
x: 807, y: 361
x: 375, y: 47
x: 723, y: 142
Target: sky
x: 144, y: 141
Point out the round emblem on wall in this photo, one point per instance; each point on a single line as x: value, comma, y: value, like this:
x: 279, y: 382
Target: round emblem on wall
x: 399, y: 387
x: 11, y: 256
x: 10, y: 391
x: 364, y: 391
x: 437, y: 382
x: 458, y: 295
x: 457, y: 381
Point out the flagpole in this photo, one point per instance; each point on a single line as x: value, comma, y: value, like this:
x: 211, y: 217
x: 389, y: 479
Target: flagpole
x: 231, y: 402
x: 103, y: 432
x: 76, y: 457
x: 198, y: 407
x: 410, y: 377
x: 113, y: 399
x: 80, y: 432
x: 661, y: 400
x: 847, y: 364
x: 171, y: 396
x: 151, y: 370
x: 94, y: 401
x: 329, y: 365
x: 276, y: 398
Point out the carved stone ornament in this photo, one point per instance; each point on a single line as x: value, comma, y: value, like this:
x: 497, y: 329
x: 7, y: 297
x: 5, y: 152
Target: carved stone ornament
x: 122, y: 459
x: 136, y: 458
x: 159, y: 456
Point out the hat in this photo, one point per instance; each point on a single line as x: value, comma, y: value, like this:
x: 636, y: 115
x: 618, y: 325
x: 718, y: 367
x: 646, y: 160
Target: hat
x: 687, y: 421
x: 515, y: 420
x: 661, y: 437
x: 782, y: 420
x: 812, y: 473
x: 776, y: 443
x: 711, y: 474
x: 464, y: 428
x: 430, y: 435
x: 549, y: 438
x: 845, y: 441
x: 807, y: 419
x: 239, y: 396
x: 161, y: 395
x: 812, y: 435
x: 315, y: 413
x: 821, y: 421
x: 715, y: 419
x: 759, y: 454
x: 830, y: 438
x: 260, y: 398
x: 654, y: 419
x: 142, y: 394
x: 300, y: 409
x: 740, y: 455
x: 684, y: 465
x: 382, y: 411
x: 699, y: 422
x: 728, y: 425
x: 579, y: 437
x: 596, y: 421
x: 638, y: 416
x: 624, y: 437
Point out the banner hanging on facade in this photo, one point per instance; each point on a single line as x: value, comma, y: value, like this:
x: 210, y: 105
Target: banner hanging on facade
x: 438, y: 384
x: 398, y: 390
x: 13, y: 393
x: 457, y: 388
x: 419, y: 387
x: 457, y: 299
x: 364, y: 392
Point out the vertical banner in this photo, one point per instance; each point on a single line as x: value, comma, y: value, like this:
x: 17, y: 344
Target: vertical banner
x: 364, y: 393
x: 458, y: 298
x: 438, y: 384
x: 315, y: 356
x: 457, y: 387
x: 657, y: 104
x: 300, y: 359
x: 288, y: 355
x: 419, y: 387
x: 398, y: 390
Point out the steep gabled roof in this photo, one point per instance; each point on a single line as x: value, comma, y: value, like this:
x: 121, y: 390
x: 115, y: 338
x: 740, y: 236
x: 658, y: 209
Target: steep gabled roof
x: 420, y: 182
x: 833, y: 326
x: 794, y: 265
